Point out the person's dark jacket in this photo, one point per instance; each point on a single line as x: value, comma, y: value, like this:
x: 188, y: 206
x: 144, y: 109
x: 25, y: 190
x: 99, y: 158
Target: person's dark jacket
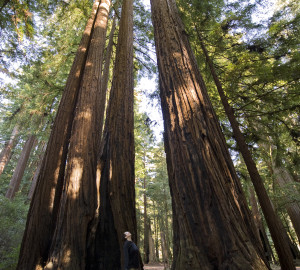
x: 131, y: 255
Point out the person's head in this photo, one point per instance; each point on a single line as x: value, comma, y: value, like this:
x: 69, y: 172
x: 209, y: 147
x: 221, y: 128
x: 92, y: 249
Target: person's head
x: 127, y: 235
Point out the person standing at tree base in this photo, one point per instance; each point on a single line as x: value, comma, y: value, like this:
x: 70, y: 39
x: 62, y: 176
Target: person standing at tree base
x: 131, y: 253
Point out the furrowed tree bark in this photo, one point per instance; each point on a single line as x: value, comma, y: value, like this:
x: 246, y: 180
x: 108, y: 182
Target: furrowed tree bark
x: 213, y: 227
x: 108, y: 55
x: 273, y: 221
x: 116, y: 164
x: 79, y: 203
x: 20, y: 168
x: 6, y: 151
x: 44, y: 205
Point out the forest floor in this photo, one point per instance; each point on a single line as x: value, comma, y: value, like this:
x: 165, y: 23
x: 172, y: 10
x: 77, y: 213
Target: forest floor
x: 154, y: 266
x: 160, y: 266
x: 277, y: 267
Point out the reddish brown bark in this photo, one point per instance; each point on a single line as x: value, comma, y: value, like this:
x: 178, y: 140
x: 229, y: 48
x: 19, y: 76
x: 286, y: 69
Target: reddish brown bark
x: 20, y: 168
x: 80, y: 198
x: 44, y: 205
x: 6, y: 152
x: 213, y: 228
x: 273, y: 221
x: 108, y: 55
x: 117, y: 194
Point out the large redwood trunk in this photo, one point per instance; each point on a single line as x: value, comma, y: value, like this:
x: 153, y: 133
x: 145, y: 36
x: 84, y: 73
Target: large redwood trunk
x: 20, y: 168
x: 43, y: 212
x: 80, y: 198
x: 5, y: 154
x: 117, y: 194
x: 213, y: 228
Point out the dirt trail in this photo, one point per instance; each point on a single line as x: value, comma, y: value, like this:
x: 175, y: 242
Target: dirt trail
x: 156, y: 266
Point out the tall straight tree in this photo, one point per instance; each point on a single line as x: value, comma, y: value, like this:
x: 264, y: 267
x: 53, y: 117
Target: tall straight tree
x: 44, y: 208
x: 116, y: 164
x: 213, y: 228
x: 273, y: 221
x: 5, y: 154
x: 80, y: 199
x: 20, y: 168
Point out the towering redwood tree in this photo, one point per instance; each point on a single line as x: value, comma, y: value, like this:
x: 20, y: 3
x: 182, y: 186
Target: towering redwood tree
x: 80, y: 200
x: 213, y: 228
x: 43, y: 211
x: 20, y: 168
x: 5, y: 154
x: 273, y: 221
x: 116, y: 165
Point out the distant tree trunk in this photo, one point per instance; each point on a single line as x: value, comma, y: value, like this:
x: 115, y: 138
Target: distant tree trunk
x: 273, y: 221
x: 44, y: 207
x: 167, y: 229
x: 164, y: 244
x: 116, y: 165
x: 156, y: 232
x: 5, y: 154
x: 213, y: 227
x: 37, y: 172
x: 146, y: 227
x: 152, y: 257
x: 20, y: 168
x: 260, y: 228
x: 285, y: 180
x: 164, y: 250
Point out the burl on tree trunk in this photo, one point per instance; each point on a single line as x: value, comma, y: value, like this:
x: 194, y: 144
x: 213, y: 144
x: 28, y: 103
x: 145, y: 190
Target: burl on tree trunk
x: 213, y: 228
